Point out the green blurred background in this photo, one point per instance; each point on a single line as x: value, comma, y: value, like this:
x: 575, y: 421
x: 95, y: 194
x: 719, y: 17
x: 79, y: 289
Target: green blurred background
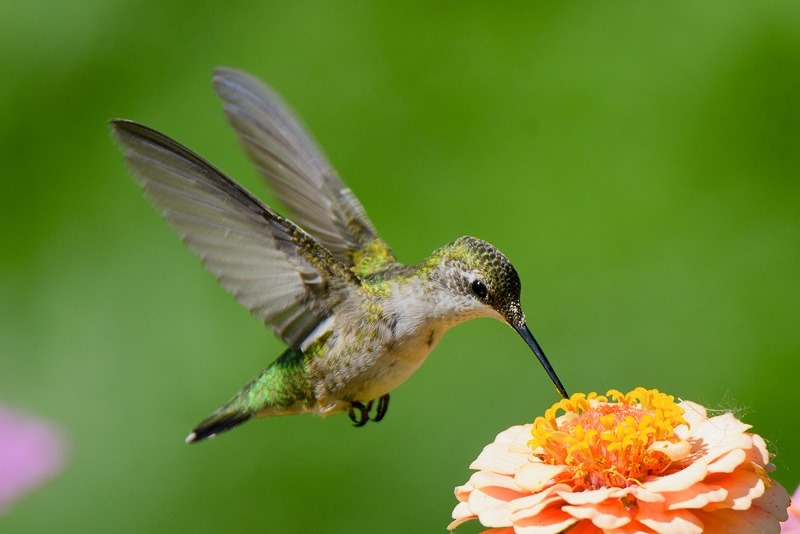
x: 637, y: 162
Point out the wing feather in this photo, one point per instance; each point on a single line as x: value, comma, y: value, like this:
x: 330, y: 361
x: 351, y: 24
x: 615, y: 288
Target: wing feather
x: 296, y: 168
x: 272, y: 267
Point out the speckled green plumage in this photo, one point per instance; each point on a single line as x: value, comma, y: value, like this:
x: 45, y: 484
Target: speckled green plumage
x: 373, y: 257
x: 280, y: 385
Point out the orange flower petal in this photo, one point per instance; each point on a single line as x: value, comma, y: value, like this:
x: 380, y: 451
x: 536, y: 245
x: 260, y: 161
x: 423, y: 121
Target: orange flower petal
x: 491, y: 508
x: 486, y: 479
x: 728, y: 461
x: 497, y: 458
x: 490, y: 497
x: 461, y: 514
x: 510, y: 434
x: 775, y: 502
x: 606, y: 515
x: 758, y: 453
x: 587, y: 527
x: 642, y: 494
x: 697, y: 496
x: 522, y: 506
x: 579, y: 498
x: 462, y: 492
x: 693, y: 413
x: 634, y: 527
x: 519, y: 443
x: 674, y: 451
x: 720, y: 435
x: 660, y: 519
x: 549, y: 521
x: 680, y: 480
x: 762, y: 517
x: 532, y: 510
x: 536, y: 476
x: 743, y: 487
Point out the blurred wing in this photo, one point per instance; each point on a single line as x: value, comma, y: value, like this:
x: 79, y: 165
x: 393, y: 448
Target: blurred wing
x: 296, y: 169
x: 271, y: 267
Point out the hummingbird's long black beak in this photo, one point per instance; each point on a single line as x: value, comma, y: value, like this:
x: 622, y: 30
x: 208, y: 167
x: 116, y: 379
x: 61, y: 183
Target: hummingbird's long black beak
x: 537, y: 350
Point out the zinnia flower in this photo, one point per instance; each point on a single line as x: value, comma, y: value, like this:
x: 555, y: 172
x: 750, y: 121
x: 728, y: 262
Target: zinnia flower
x: 636, y: 463
x: 30, y: 452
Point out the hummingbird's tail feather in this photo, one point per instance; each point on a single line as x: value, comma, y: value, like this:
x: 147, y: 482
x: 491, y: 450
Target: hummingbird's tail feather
x: 280, y: 389
x: 217, y: 422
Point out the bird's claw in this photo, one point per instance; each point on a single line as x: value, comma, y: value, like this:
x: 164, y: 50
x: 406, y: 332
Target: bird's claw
x: 362, y: 417
x: 383, y: 405
x: 360, y: 414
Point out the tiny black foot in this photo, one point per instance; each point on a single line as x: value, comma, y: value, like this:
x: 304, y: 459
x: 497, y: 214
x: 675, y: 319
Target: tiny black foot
x: 360, y: 413
x: 360, y: 418
x: 380, y: 411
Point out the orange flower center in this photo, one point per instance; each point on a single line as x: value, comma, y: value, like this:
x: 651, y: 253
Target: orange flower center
x: 609, y: 443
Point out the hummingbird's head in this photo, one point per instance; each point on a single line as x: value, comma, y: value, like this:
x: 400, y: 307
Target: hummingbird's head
x: 483, y: 283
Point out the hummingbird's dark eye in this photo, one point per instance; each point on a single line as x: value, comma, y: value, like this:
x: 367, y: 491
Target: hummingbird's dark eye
x: 479, y: 288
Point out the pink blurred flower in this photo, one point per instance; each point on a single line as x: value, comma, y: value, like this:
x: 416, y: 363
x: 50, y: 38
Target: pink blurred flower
x: 792, y: 525
x: 639, y: 463
x: 31, y: 451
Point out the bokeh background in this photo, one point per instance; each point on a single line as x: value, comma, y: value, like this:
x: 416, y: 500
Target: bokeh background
x: 638, y: 163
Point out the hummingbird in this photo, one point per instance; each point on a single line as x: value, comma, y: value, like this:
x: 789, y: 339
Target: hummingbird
x: 357, y: 323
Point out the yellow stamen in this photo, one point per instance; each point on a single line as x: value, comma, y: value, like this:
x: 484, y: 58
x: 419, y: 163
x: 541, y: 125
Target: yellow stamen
x: 607, y: 443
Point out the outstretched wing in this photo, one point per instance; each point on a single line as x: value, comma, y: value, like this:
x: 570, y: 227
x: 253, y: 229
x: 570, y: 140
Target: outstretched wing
x: 272, y: 267
x: 298, y: 172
